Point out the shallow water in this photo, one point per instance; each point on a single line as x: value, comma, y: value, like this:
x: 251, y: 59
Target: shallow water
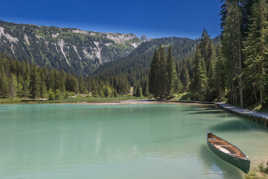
x: 120, y: 142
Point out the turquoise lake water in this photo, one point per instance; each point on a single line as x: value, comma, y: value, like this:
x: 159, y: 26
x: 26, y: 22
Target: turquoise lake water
x: 145, y: 141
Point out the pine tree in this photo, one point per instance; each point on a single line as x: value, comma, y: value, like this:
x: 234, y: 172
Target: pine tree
x: 43, y: 90
x: 173, y: 83
x: 145, y: 88
x: 163, y: 75
x: 82, y: 88
x: 220, y: 77
x: 206, y: 48
x: 13, y: 86
x: 199, y: 82
x: 138, y: 91
x: 232, y: 48
x: 35, y: 83
x: 72, y: 84
x: 20, y: 92
x: 153, y: 75
x: 265, y: 32
x: 254, y: 50
x: 58, y: 94
x: 26, y: 80
x: 184, y: 77
x: 59, y: 81
x: 3, y: 84
x: 51, y: 95
x: 208, y: 54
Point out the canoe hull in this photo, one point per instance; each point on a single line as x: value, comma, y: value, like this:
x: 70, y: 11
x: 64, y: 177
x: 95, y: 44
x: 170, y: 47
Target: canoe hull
x: 243, y: 164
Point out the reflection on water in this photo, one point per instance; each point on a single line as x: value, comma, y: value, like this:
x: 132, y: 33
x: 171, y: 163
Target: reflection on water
x: 216, y: 166
x: 124, y: 141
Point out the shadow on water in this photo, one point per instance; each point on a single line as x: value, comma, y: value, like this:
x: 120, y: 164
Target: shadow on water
x: 216, y: 166
x: 202, y: 108
x: 208, y: 112
x: 237, y: 125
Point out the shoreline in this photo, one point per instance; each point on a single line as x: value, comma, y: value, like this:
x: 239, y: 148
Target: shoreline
x: 126, y: 102
x: 258, y: 116
x: 104, y: 101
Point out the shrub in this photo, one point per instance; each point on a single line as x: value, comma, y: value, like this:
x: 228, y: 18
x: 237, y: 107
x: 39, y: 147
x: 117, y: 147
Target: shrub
x: 51, y: 95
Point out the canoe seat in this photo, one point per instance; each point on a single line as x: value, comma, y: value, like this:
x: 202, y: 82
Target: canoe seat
x: 222, y: 149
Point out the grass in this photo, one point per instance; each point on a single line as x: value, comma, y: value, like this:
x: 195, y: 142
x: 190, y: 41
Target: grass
x: 78, y: 99
x: 260, y: 173
x: 10, y: 100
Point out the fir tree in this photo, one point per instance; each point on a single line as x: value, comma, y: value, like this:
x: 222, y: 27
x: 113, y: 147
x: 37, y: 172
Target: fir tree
x: 232, y: 49
x: 220, y: 77
x: 173, y: 83
x: 153, y: 81
x: 51, y: 95
x: 3, y: 84
x: 184, y: 77
x: 35, y: 83
x: 43, y: 90
x: 255, y: 50
x: 13, y: 86
x: 199, y: 83
x: 163, y: 75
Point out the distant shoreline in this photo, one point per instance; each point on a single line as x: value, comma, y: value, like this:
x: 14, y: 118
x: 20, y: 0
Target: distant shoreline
x: 134, y: 102
x: 101, y: 101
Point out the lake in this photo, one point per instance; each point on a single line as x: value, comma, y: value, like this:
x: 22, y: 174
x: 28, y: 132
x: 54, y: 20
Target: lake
x: 141, y: 141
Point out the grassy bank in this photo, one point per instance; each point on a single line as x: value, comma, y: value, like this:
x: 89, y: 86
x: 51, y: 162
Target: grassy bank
x: 78, y: 99
x: 259, y: 172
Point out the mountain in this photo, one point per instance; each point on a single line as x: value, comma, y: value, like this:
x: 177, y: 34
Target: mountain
x: 85, y: 52
x: 137, y: 63
x: 69, y: 49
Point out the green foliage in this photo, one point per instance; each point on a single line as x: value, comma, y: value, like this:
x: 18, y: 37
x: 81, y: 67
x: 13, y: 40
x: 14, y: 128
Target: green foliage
x: 220, y: 78
x: 254, y: 52
x: 264, y: 167
x: 13, y: 86
x: 198, y: 85
x: 252, y: 175
x: 20, y: 79
x: 232, y: 49
x: 173, y: 82
x: 163, y: 75
x: 244, y: 51
x: 35, y: 83
x: 51, y: 95
x: 3, y: 84
x: 108, y: 92
x: 59, y: 95
x: 43, y: 90
x: 138, y: 92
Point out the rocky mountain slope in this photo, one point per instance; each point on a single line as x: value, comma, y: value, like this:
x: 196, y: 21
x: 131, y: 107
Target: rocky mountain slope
x: 85, y: 52
x: 139, y: 60
x: 73, y: 50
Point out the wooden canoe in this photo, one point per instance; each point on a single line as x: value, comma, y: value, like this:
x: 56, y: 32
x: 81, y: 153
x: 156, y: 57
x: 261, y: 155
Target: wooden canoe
x: 228, y: 152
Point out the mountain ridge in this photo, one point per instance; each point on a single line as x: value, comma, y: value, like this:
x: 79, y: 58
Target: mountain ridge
x: 70, y: 49
x: 78, y: 51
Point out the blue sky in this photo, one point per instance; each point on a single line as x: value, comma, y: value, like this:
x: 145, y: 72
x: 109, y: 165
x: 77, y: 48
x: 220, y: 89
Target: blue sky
x: 154, y: 18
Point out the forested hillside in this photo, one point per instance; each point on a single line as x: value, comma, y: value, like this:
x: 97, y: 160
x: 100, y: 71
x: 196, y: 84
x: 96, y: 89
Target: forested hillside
x: 245, y: 50
x: 25, y: 80
x: 232, y: 67
x: 236, y: 69
x: 72, y: 50
x: 135, y: 67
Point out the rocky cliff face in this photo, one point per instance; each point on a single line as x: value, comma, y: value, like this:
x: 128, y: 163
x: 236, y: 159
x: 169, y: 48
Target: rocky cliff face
x: 73, y: 50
